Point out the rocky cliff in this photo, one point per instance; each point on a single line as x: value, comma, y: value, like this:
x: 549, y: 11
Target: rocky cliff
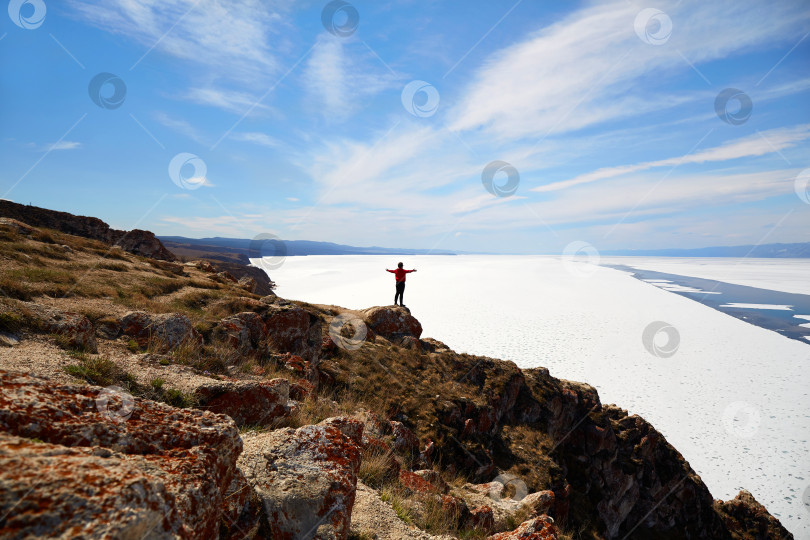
x: 135, y: 241
x: 137, y: 401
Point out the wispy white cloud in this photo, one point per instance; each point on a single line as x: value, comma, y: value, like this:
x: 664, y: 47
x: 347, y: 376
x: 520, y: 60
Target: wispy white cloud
x: 262, y: 139
x: 65, y: 145
x: 59, y: 145
x: 178, y: 125
x: 766, y: 142
x: 229, y: 100
x: 338, y: 81
x: 591, y: 67
x: 236, y: 40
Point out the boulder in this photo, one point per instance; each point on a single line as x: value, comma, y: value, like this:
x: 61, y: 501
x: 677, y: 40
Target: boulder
x: 75, y: 328
x: 142, y: 243
x: 244, y: 331
x: 404, y: 439
x: 482, y: 518
x: 8, y: 339
x: 167, y: 330
x: 305, y: 477
x: 294, y: 330
x: 435, y: 479
x: 248, y: 403
x: 414, y: 483
x: 226, y: 276
x: 87, y: 462
x: 392, y: 322
x: 538, y: 503
x: 247, y: 283
x: 540, y: 528
x: 206, y: 267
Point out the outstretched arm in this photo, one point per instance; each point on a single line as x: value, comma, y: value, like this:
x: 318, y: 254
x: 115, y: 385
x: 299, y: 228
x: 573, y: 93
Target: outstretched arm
x: 409, y: 271
x: 387, y: 270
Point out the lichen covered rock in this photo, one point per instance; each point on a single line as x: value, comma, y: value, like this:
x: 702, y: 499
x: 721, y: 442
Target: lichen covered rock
x: 392, y: 322
x: 82, y: 461
x: 305, y: 477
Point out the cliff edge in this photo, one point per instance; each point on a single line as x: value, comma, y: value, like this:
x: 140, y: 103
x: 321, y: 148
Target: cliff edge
x: 146, y: 399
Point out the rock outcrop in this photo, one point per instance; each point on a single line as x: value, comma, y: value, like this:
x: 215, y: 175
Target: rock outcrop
x: 306, y: 477
x: 244, y: 331
x: 82, y: 461
x: 248, y: 403
x: 746, y: 518
x: 392, y: 322
x: 76, y: 329
x: 294, y: 330
x: 135, y: 241
x: 164, y: 331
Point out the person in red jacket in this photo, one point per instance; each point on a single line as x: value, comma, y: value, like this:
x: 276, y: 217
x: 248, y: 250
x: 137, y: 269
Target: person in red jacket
x: 399, y: 274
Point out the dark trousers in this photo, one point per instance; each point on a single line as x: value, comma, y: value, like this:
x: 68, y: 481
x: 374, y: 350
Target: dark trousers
x: 400, y: 292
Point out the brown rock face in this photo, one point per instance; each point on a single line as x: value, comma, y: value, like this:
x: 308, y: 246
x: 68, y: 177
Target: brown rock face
x: 392, y: 322
x: 748, y: 519
x: 294, y: 330
x: 244, y: 331
x: 306, y: 479
x: 167, y: 330
x: 541, y: 528
x: 135, y: 241
x: 82, y: 461
x: 248, y: 403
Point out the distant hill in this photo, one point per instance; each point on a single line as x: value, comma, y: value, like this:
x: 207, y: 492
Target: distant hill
x: 777, y: 251
x: 239, y: 249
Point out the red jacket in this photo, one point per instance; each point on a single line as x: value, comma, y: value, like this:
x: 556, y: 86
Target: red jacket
x: 399, y: 273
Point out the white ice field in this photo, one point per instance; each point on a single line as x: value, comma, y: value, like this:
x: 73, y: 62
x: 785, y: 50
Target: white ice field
x: 734, y: 398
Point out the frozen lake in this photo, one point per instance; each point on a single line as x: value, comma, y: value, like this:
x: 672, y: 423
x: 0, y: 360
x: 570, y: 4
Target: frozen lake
x: 733, y: 398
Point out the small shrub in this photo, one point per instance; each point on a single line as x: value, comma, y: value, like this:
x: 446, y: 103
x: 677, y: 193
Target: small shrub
x: 157, y: 383
x: 375, y: 470
x: 133, y: 346
x: 12, y: 288
x: 10, y: 322
x: 101, y: 371
x: 179, y: 399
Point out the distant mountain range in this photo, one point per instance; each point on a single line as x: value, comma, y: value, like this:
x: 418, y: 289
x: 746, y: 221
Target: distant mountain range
x: 767, y: 251
x: 240, y: 249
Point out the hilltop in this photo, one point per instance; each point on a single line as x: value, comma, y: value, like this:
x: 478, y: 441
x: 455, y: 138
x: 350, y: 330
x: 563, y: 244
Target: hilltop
x: 154, y: 398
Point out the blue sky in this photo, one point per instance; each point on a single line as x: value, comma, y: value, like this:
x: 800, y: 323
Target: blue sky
x: 237, y: 118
